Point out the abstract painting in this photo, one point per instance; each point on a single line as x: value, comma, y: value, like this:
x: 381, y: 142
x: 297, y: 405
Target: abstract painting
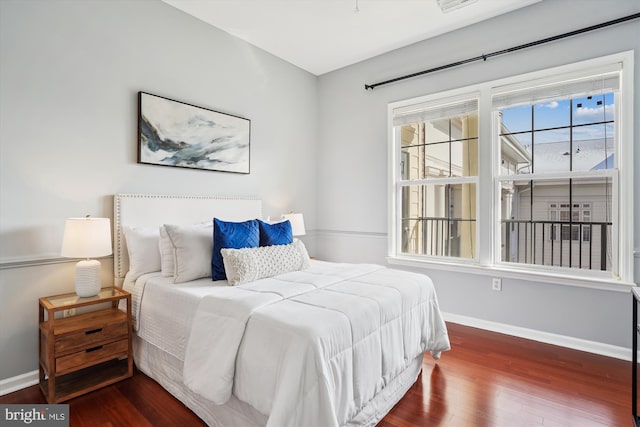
x: 172, y: 133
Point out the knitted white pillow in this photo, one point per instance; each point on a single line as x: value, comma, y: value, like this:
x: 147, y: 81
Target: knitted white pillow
x: 249, y: 264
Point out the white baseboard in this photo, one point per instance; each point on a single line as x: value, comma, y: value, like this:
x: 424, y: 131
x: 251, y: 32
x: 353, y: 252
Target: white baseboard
x: 18, y: 382
x: 545, y: 337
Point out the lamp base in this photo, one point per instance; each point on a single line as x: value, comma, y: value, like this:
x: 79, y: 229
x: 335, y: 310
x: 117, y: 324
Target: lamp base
x: 88, y: 278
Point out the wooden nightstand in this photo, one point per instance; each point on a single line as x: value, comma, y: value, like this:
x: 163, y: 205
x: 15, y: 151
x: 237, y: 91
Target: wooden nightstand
x: 80, y: 353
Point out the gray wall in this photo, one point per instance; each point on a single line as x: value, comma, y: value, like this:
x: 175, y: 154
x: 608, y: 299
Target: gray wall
x: 69, y: 76
x: 352, y: 157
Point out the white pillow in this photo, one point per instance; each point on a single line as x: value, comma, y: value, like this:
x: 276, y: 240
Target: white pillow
x: 166, y: 254
x: 142, y: 246
x: 192, y: 250
x: 249, y: 264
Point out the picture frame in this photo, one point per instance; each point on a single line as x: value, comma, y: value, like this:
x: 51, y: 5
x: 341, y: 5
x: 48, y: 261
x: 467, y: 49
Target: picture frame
x: 177, y: 134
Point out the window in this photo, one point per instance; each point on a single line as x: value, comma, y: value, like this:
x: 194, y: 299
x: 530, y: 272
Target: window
x: 562, y: 136
x: 438, y: 151
x: 529, y: 174
x: 559, y: 213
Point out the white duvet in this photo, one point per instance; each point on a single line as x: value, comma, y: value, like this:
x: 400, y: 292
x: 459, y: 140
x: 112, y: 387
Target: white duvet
x: 313, y: 347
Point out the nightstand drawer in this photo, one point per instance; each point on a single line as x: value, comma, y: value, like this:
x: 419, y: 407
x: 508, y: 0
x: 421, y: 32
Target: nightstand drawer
x: 91, y: 356
x: 87, y: 339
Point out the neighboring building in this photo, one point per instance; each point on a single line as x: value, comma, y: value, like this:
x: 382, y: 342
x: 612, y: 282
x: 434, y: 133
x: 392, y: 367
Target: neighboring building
x: 540, y: 225
x: 439, y: 219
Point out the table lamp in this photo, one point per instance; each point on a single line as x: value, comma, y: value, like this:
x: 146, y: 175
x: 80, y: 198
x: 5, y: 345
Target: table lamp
x: 87, y: 238
x: 297, y: 223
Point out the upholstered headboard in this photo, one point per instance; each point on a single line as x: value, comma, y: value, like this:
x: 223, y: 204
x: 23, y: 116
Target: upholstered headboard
x: 145, y: 210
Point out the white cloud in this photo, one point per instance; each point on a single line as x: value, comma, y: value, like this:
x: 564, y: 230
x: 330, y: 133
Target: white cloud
x: 595, y: 114
x: 551, y: 105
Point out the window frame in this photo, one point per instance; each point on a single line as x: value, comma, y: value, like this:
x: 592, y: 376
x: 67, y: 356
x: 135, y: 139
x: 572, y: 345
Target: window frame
x: 454, y: 97
x: 400, y: 182
x: 488, y: 261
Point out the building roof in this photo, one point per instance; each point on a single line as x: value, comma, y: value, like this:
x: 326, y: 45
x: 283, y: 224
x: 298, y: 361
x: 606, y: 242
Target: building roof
x: 584, y: 155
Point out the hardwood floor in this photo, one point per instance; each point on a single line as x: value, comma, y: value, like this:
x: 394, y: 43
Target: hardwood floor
x: 490, y: 379
x: 486, y: 380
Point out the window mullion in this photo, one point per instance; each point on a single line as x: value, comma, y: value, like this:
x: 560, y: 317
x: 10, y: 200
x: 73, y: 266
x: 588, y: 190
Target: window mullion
x: 607, y: 173
x: 440, y: 181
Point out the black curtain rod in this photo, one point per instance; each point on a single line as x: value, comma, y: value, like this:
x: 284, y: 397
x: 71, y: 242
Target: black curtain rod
x: 484, y: 57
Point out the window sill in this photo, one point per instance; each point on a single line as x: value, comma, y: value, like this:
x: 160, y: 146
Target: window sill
x: 609, y: 284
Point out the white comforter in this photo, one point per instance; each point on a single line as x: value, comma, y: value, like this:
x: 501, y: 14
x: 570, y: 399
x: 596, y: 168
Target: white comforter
x: 313, y: 347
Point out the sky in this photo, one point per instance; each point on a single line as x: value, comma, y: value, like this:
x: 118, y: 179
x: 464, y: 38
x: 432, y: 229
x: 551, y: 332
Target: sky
x: 551, y: 114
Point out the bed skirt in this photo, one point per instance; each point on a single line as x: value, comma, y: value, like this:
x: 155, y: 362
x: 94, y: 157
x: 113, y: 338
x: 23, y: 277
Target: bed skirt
x: 166, y: 369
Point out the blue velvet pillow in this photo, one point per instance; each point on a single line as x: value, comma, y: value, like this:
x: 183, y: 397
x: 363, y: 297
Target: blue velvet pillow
x: 275, y: 234
x: 234, y: 235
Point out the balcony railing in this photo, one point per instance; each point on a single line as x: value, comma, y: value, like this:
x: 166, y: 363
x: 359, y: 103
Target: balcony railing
x: 579, y: 244
x: 583, y: 244
x: 435, y: 236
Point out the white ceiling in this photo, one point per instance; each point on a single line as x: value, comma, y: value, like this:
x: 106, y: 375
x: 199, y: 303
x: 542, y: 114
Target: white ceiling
x: 323, y: 35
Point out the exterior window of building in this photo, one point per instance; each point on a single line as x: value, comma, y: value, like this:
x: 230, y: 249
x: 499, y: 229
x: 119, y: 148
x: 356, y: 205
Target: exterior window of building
x: 559, y: 213
x: 528, y: 174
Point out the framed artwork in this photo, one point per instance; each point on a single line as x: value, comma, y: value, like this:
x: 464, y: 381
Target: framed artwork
x: 172, y: 133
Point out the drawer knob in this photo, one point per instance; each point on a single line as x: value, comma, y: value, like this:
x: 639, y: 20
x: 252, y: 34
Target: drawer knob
x: 93, y: 331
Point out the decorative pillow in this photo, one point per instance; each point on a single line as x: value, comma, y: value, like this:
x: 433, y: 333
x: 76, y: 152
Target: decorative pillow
x: 166, y: 254
x: 278, y: 233
x: 192, y: 250
x: 247, y: 265
x: 234, y: 235
x: 142, y: 246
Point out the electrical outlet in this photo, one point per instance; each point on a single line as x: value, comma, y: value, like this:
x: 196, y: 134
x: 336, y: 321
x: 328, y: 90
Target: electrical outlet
x: 496, y: 284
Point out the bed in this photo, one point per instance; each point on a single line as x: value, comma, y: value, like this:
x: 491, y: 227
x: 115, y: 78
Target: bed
x: 320, y: 344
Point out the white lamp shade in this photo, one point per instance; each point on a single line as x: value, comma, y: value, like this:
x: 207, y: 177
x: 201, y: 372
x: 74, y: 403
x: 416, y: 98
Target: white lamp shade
x: 86, y: 238
x: 297, y: 223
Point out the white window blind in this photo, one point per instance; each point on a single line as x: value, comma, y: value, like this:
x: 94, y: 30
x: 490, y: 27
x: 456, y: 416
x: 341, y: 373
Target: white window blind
x: 425, y: 112
x: 583, y: 86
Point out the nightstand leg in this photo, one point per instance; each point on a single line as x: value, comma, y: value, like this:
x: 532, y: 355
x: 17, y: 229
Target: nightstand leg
x: 40, y: 354
x: 51, y: 397
x: 52, y: 389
